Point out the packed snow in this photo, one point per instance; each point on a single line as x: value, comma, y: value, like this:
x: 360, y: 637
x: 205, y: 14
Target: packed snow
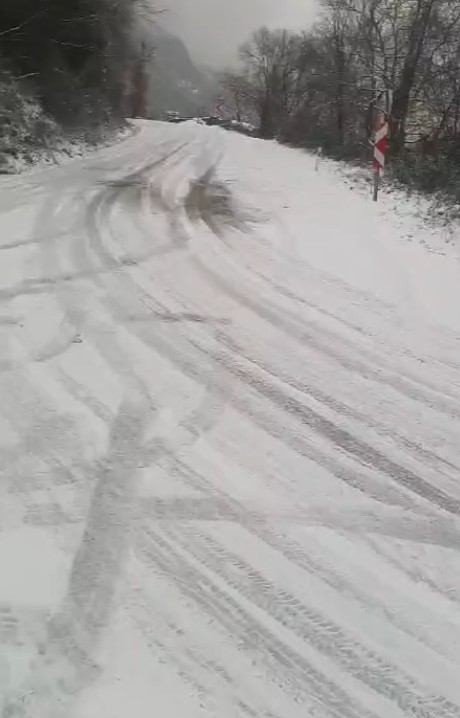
x: 229, y: 439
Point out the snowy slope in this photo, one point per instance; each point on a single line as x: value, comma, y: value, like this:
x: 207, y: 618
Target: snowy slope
x: 229, y: 423
x: 175, y: 82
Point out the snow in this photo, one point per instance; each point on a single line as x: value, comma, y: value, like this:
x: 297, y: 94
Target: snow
x: 59, y: 150
x: 229, y: 421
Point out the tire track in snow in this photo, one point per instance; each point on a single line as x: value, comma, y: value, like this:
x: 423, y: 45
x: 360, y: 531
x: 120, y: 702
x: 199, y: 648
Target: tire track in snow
x: 66, y: 667
x: 63, y: 640
x: 221, y: 506
x: 314, y: 628
x: 288, y: 669
x: 359, y: 449
x: 290, y: 326
x: 106, y: 276
x: 364, y: 452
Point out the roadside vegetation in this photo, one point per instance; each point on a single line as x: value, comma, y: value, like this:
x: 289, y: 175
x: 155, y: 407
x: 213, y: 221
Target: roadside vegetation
x: 317, y: 89
x: 66, y: 70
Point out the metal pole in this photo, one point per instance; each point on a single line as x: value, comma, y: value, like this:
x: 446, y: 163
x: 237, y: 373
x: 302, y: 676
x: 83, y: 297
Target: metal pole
x: 376, y: 184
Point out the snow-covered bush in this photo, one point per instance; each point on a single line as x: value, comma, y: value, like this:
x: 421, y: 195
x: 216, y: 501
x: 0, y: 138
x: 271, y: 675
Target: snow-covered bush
x: 24, y: 127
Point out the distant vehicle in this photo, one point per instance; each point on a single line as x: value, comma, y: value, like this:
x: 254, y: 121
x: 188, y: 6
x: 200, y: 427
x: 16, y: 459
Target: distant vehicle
x: 245, y: 128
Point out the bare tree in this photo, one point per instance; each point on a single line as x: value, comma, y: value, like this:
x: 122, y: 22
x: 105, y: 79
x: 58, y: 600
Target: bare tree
x: 270, y: 61
x: 318, y: 88
x: 238, y: 95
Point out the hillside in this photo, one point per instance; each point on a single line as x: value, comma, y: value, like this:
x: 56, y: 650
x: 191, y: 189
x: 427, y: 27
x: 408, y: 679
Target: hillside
x: 175, y: 82
x: 66, y: 78
x: 62, y: 74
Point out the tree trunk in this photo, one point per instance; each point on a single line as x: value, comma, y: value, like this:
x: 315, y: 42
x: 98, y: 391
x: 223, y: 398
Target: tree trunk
x: 267, y: 130
x: 403, y: 90
x: 340, y: 90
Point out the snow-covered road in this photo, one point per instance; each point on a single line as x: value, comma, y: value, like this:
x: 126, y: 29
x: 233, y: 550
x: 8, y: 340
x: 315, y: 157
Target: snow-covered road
x: 229, y: 440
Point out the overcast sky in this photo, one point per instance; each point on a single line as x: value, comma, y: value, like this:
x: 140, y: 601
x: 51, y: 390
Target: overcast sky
x: 213, y: 29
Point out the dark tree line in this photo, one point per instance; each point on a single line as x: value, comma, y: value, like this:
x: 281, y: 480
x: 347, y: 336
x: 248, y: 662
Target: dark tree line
x: 317, y: 88
x: 72, y: 55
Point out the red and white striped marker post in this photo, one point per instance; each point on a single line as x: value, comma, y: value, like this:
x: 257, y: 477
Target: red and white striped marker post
x: 381, y: 134
x: 380, y: 150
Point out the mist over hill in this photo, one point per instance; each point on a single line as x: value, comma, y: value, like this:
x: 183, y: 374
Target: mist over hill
x: 175, y: 81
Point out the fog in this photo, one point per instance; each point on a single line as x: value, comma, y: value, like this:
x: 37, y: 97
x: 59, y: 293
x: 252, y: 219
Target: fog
x: 213, y: 29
